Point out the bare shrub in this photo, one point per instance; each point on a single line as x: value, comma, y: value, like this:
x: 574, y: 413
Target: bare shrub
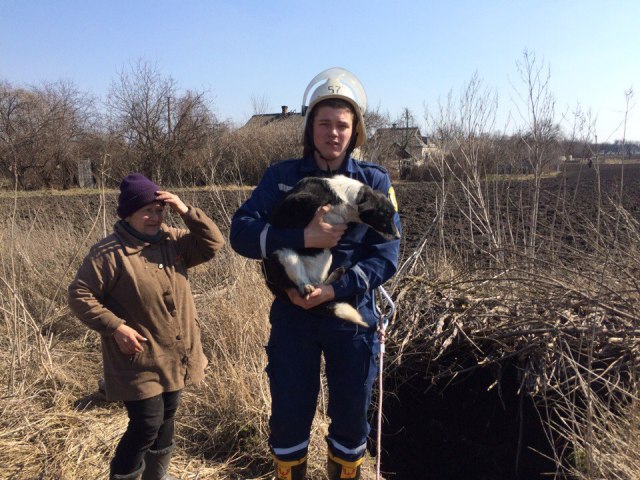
x: 422, y: 173
x: 247, y: 152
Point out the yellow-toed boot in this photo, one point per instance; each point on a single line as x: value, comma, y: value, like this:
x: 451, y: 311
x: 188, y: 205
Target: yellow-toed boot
x: 291, y: 470
x: 338, y: 468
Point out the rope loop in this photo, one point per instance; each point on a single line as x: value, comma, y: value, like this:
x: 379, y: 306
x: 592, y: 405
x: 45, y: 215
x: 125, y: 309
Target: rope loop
x: 386, y: 310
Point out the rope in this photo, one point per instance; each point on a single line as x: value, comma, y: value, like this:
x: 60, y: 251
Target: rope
x: 383, y: 322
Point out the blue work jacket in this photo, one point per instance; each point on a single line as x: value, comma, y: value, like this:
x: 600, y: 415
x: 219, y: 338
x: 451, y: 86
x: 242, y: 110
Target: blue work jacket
x: 369, y: 259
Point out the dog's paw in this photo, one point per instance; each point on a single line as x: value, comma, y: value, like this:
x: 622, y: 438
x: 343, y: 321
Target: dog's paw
x: 307, y: 289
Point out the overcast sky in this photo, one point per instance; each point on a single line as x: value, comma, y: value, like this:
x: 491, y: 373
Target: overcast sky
x: 407, y: 53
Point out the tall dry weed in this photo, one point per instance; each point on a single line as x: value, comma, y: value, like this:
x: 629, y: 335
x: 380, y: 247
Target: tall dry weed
x: 53, y: 426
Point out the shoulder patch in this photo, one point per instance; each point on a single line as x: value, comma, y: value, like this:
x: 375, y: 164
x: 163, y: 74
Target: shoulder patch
x: 392, y: 197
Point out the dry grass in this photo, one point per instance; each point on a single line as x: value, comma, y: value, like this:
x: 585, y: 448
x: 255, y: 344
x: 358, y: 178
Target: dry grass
x: 53, y: 425
x: 572, y: 324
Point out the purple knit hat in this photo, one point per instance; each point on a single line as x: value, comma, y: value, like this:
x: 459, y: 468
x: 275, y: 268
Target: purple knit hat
x: 136, y: 191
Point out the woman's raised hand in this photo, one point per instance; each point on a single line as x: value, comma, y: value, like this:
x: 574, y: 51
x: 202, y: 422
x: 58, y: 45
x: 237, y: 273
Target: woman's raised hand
x: 173, y: 201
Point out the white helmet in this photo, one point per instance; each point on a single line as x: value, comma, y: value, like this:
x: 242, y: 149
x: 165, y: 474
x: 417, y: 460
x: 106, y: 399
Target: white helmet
x: 337, y: 83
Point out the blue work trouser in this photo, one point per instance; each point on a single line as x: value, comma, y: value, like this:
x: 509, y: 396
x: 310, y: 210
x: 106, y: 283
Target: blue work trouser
x: 294, y: 351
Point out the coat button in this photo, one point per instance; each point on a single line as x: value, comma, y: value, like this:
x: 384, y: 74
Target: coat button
x: 173, y: 313
x: 178, y: 337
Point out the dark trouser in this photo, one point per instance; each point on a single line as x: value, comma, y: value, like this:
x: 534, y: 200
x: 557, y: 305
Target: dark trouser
x: 151, y: 426
x: 295, y: 347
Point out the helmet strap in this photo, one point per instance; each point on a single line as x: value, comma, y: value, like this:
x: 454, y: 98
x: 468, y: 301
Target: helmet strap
x: 352, y: 143
x: 329, y: 171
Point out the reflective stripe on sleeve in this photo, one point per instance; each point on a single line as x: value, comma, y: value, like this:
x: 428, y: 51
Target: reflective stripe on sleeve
x: 263, y: 240
x: 360, y: 273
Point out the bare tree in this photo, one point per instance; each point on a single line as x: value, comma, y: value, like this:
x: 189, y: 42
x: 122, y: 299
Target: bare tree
x: 406, y: 125
x: 462, y: 131
x: 628, y: 94
x: 259, y: 104
x: 387, y: 146
x: 542, y: 134
x: 41, y: 130
x: 161, y: 126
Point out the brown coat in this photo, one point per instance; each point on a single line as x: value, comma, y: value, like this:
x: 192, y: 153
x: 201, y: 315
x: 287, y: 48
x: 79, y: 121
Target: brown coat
x: 124, y: 279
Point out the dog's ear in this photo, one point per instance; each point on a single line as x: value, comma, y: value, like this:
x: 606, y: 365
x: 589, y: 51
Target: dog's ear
x: 369, y: 199
x: 365, y: 194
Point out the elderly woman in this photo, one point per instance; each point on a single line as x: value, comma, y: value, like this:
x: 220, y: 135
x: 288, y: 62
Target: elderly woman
x: 133, y: 289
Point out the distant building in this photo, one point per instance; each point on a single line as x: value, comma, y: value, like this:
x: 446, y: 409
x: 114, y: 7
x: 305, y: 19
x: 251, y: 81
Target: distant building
x: 400, y: 148
x: 283, y: 118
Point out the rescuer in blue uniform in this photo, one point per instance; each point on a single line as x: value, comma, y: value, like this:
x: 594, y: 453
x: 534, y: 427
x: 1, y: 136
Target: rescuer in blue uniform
x: 333, y: 128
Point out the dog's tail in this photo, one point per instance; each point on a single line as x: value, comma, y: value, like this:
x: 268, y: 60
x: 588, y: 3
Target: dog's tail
x: 341, y: 310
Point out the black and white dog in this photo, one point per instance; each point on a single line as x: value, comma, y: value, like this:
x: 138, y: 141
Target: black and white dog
x: 351, y: 201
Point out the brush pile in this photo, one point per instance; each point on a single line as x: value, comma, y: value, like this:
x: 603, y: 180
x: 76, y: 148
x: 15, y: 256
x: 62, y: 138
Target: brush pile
x: 568, y: 319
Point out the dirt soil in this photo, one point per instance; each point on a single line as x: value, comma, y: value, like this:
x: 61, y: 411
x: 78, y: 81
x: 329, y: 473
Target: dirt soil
x: 579, y: 186
x: 417, y: 202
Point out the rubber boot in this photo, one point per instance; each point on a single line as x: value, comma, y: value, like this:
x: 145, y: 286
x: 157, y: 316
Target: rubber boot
x: 338, y: 468
x: 129, y: 476
x: 292, y: 470
x: 157, y: 464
